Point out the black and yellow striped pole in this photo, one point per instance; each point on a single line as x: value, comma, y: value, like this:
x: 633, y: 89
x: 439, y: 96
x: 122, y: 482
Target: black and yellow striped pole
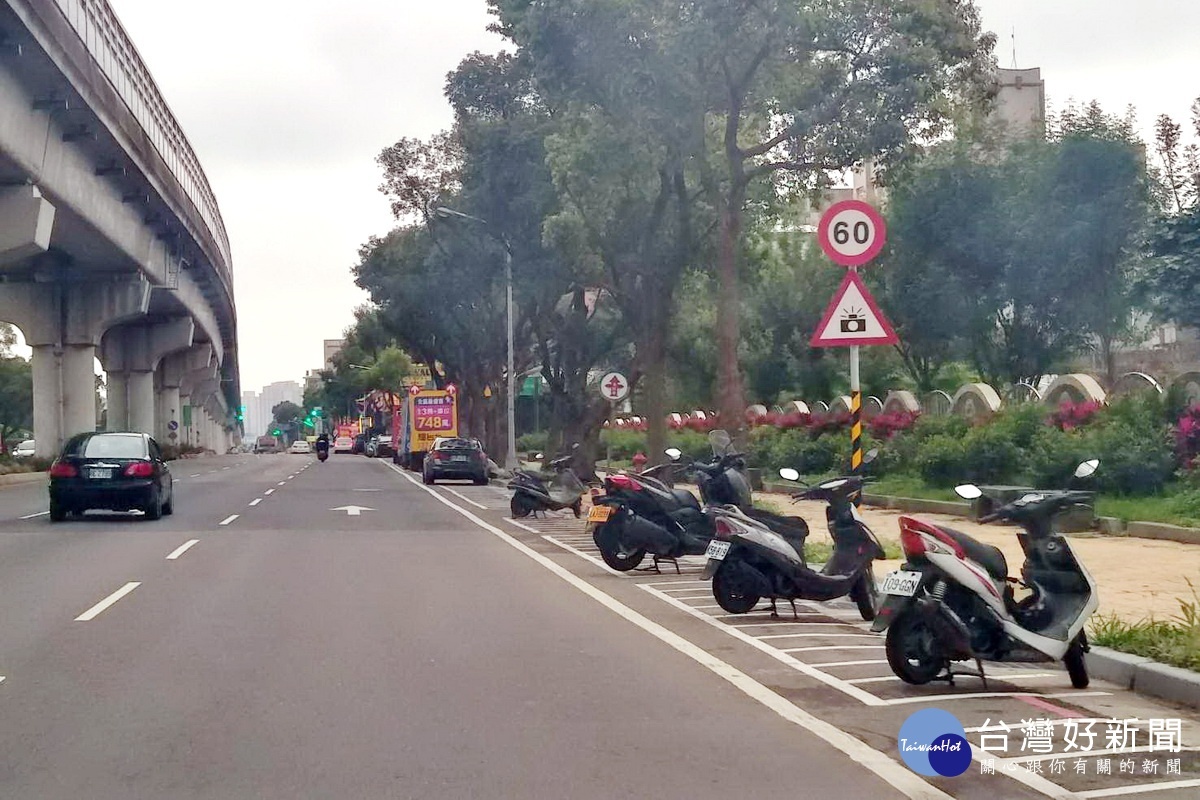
x: 856, y: 455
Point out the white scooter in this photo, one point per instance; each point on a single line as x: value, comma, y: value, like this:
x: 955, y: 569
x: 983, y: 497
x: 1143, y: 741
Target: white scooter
x: 953, y: 600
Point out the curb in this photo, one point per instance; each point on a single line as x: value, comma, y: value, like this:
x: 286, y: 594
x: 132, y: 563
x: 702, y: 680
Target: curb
x: 1145, y: 676
x: 20, y: 478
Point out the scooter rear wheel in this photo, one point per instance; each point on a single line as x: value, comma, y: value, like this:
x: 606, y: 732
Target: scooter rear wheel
x: 610, y: 550
x: 1075, y: 664
x: 520, y: 507
x: 913, y: 651
x: 729, y: 595
x: 865, y: 594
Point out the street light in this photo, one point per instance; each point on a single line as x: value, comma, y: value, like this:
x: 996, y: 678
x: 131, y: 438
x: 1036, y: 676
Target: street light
x: 441, y: 212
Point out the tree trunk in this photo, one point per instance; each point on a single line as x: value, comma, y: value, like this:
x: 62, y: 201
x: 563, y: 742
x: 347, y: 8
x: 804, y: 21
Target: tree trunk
x: 731, y: 400
x: 652, y: 355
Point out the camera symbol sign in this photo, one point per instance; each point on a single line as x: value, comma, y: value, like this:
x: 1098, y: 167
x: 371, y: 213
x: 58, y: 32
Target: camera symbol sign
x: 853, y: 318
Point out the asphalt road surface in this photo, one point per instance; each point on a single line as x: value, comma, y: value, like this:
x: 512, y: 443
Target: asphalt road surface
x: 337, y: 630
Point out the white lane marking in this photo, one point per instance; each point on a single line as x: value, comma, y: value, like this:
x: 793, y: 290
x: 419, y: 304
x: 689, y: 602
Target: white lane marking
x: 213, y: 472
x: 38, y: 514
x: 819, y: 636
x: 832, y: 647
x: 183, y: 548
x: 935, y: 698
x: 281, y: 483
x: 1149, y: 787
x: 97, y: 609
x: 255, y: 501
x: 898, y: 776
x: 521, y: 525
x: 229, y: 519
x: 268, y: 492
x: 197, y: 475
x: 224, y: 468
x: 464, y: 498
x: 289, y: 477
x: 851, y: 663
x: 582, y: 554
x: 1000, y: 676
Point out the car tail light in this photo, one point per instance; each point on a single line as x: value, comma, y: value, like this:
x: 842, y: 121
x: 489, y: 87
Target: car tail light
x: 61, y: 469
x: 625, y: 482
x: 912, y: 543
x: 438, y: 456
x: 139, y: 469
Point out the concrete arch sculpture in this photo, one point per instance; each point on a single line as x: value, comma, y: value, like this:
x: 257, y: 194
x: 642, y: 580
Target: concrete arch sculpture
x: 901, y: 400
x: 974, y: 400
x: 1075, y: 388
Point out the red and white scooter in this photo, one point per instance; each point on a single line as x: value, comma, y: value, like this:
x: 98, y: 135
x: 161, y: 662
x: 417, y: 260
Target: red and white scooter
x: 953, y: 600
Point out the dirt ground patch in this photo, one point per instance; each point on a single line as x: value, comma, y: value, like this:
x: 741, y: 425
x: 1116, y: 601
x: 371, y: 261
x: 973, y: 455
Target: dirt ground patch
x: 1137, y: 578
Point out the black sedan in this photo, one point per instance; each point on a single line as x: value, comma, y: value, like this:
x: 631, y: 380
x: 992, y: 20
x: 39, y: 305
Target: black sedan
x: 113, y: 471
x: 456, y: 458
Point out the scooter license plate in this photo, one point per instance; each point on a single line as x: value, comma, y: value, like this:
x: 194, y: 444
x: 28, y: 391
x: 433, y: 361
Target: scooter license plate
x: 717, y: 550
x: 901, y: 583
x: 599, y: 513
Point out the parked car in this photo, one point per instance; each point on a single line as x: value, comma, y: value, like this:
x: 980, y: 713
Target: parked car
x: 23, y: 450
x: 113, y: 471
x: 380, y: 446
x: 300, y: 446
x: 360, y: 444
x: 455, y: 458
x: 343, y: 444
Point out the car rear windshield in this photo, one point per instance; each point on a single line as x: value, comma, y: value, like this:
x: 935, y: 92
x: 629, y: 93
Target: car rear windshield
x: 459, y: 444
x: 114, y: 446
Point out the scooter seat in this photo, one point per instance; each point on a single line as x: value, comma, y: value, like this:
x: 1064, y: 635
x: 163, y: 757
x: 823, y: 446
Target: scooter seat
x: 987, y: 556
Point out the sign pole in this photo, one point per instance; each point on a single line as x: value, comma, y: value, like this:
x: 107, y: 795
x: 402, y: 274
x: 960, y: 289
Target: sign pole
x: 612, y: 426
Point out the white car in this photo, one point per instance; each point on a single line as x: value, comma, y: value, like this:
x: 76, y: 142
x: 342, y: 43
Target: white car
x: 24, y: 449
x: 302, y: 447
x: 343, y: 444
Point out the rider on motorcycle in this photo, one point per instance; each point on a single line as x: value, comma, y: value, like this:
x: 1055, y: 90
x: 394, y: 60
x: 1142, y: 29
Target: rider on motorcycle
x: 323, y: 442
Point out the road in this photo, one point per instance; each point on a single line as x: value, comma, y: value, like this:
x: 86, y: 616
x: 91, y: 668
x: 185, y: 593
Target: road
x: 338, y: 630
x: 298, y: 651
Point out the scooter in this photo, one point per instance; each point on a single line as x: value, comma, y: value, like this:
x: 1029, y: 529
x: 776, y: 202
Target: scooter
x: 747, y: 561
x: 322, y: 451
x: 534, y: 492
x: 953, y: 600
x: 641, y: 513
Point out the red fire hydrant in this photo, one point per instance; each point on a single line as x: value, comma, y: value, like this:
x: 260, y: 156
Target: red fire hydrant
x: 639, y: 460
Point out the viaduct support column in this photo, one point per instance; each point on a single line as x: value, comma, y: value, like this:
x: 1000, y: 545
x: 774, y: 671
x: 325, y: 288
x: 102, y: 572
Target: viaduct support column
x: 63, y: 319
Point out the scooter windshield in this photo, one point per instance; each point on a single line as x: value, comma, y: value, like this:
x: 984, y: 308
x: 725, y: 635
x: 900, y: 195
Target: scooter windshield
x: 720, y: 442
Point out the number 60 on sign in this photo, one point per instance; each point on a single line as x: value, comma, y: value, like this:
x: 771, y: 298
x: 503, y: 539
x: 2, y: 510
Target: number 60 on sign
x: 851, y: 233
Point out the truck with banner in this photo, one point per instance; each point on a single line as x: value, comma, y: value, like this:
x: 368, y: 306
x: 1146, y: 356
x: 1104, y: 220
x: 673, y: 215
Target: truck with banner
x: 423, y: 416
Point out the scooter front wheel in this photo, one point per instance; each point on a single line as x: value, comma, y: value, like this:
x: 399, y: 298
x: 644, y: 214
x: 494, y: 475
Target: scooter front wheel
x: 913, y: 651
x: 729, y: 594
x: 865, y: 594
x: 1075, y: 664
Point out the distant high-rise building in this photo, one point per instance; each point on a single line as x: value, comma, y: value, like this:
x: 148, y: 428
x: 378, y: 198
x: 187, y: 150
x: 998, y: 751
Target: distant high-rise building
x: 332, y: 348
x: 1021, y: 101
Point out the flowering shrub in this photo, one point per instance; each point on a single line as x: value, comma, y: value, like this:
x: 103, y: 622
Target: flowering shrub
x: 1187, y: 437
x: 885, y: 426
x: 1070, y: 416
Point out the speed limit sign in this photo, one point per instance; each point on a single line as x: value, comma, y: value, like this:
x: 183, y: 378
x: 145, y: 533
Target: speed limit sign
x: 851, y: 233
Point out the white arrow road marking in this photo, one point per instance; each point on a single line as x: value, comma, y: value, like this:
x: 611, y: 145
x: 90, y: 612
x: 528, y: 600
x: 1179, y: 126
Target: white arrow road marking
x: 97, y: 609
x: 352, y: 511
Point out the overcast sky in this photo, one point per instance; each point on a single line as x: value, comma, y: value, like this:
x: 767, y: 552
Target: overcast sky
x: 288, y: 104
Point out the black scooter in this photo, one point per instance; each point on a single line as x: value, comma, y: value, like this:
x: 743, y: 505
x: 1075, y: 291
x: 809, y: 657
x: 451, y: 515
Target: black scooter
x: 747, y: 561
x: 534, y: 492
x: 322, y: 450
x: 641, y: 513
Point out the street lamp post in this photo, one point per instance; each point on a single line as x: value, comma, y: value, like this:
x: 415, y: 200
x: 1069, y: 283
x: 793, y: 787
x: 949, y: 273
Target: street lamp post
x: 510, y: 457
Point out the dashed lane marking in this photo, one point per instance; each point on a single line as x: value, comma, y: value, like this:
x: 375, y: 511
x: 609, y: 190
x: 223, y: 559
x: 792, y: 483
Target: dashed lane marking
x: 229, y: 519
x: 99, y: 608
x: 183, y: 548
x: 255, y: 501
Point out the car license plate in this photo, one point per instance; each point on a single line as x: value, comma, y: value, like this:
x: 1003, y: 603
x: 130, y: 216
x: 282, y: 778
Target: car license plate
x: 102, y: 474
x: 599, y: 513
x: 717, y: 550
x: 901, y: 582
x: 458, y: 458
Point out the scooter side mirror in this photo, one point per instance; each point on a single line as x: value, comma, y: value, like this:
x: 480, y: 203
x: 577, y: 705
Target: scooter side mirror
x: 968, y: 491
x: 789, y: 474
x: 871, y: 455
x: 674, y: 453
x: 1087, y: 468
x: 538, y: 457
